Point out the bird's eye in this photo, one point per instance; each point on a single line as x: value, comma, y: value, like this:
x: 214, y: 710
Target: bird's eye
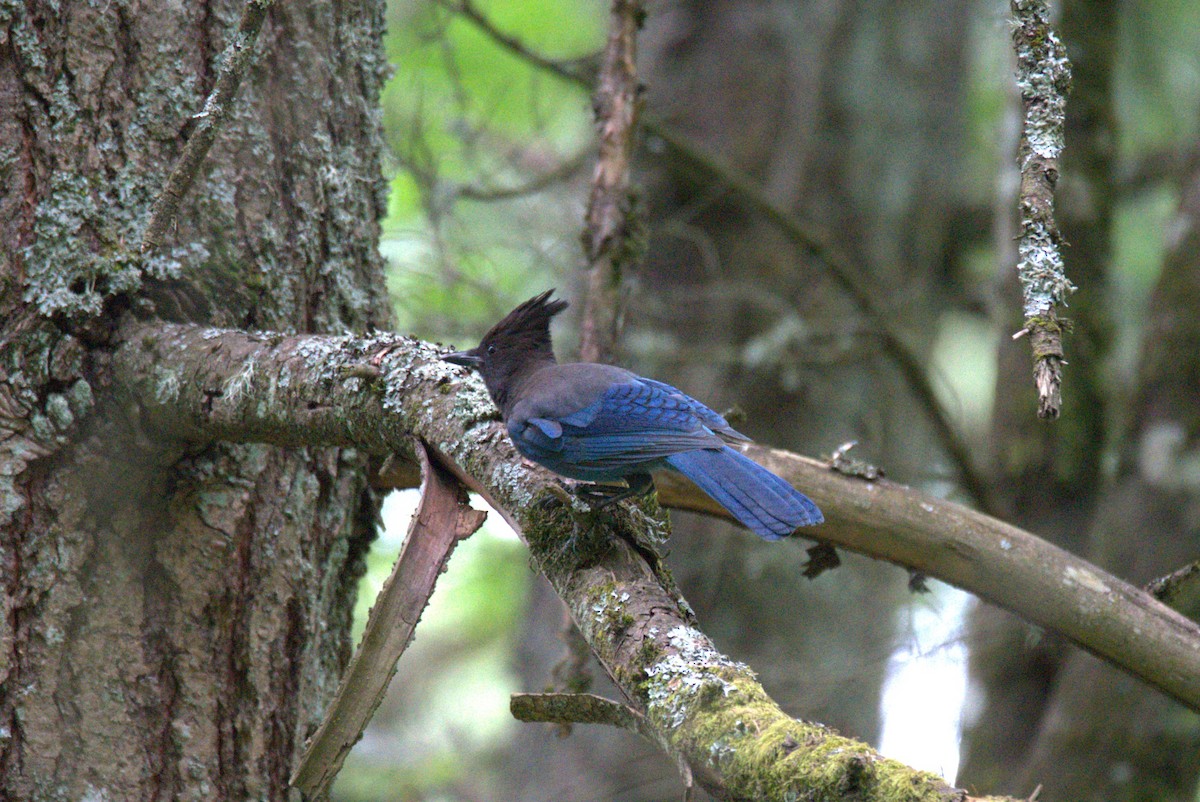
x: 491, y: 349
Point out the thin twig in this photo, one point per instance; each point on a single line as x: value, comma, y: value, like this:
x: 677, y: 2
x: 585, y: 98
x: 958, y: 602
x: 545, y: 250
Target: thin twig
x: 1179, y: 590
x: 562, y: 172
x: 581, y: 70
x: 235, y: 61
x: 841, y: 268
x: 609, y: 239
x: 442, y: 519
x: 1044, y: 78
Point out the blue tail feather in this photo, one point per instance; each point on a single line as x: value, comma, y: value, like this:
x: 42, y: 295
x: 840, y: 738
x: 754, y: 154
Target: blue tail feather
x: 762, y: 501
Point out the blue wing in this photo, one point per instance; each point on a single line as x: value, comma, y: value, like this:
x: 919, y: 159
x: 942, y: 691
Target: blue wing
x: 631, y: 423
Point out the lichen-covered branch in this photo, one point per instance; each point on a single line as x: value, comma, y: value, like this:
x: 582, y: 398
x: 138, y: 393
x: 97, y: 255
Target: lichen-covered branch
x: 234, y: 63
x: 189, y: 383
x: 609, y: 237
x: 1044, y: 78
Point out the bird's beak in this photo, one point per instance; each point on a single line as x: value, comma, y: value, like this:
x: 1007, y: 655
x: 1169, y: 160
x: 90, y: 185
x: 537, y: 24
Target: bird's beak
x: 468, y: 359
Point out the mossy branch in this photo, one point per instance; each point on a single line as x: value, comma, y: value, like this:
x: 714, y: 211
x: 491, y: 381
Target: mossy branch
x: 190, y: 383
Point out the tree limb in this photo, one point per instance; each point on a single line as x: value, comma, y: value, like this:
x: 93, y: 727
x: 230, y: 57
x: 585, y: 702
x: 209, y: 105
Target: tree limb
x: 190, y: 383
x: 442, y: 519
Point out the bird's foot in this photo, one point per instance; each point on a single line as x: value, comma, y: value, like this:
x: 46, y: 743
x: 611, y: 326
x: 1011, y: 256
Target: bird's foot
x: 557, y: 496
x: 602, y: 495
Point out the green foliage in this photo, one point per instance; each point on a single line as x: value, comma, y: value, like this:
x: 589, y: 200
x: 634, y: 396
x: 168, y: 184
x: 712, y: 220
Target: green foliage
x: 465, y: 116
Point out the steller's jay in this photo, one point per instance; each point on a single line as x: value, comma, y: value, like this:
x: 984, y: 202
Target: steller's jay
x: 601, y: 423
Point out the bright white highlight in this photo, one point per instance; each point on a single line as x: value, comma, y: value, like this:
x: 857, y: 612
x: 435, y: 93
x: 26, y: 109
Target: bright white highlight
x: 926, y: 684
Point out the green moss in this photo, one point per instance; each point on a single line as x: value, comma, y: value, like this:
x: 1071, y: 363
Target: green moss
x: 648, y: 654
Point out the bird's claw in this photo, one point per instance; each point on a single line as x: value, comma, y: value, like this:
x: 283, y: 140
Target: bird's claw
x: 600, y: 496
x: 557, y: 496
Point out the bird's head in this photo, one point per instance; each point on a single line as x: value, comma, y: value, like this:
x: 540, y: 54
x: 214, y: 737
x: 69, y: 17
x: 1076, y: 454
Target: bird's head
x: 517, y: 345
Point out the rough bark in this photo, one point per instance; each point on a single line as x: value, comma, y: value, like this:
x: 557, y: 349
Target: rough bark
x: 175, y: 615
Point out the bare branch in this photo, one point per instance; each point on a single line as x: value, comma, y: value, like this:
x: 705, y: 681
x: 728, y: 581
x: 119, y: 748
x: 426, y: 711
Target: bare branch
x: 533, y: 186
x: 1179, y: 590
x: 234, y: 62
x: 442, y: 519
x: 581, y: 70
x: 609, y: 240
x: 1044, y: 78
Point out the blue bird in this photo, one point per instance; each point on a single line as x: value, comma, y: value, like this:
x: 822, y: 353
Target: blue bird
x: 601, y: 423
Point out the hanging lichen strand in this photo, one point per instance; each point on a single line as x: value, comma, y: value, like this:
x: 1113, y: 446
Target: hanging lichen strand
x: 1044, y: 78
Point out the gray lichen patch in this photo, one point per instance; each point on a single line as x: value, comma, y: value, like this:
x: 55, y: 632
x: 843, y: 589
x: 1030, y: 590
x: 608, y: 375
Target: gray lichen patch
x: 1040, y: 268
x: 611, y: 612
x: 691, y: 673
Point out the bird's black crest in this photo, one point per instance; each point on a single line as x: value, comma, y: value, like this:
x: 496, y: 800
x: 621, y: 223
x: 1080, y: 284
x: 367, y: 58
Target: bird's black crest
x: 529, y: 322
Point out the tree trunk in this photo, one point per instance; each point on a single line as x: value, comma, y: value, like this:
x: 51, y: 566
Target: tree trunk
x: 176, y: 615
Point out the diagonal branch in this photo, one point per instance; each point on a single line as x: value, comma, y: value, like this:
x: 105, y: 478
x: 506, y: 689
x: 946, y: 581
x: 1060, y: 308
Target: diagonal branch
x: 580, y: 71
x: 234, y: 63
x: 198, y: 384
x: 442, y: 519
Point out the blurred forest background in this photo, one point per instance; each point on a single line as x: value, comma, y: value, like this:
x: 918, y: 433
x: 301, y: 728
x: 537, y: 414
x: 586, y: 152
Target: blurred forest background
x: 889, y: 130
